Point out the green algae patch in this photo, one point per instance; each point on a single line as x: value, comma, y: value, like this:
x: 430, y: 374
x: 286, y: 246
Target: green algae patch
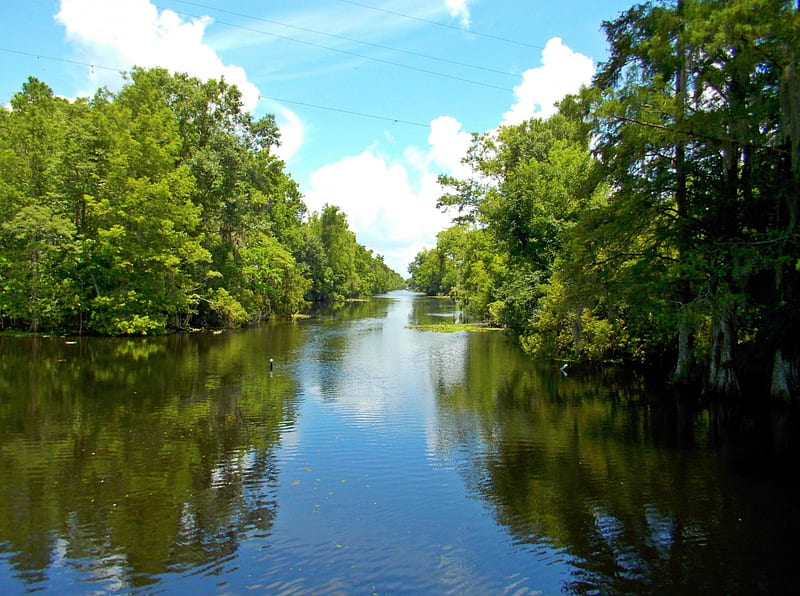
x: 453, y: 327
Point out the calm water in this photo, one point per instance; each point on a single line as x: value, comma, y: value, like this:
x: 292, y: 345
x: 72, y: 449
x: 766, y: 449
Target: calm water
x: 373, y: 459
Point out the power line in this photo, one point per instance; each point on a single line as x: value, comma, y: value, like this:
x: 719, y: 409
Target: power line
x: 351, y: 39
x: 445, y: 25
x: 356, y: 54
x: 316, y: 106
x: 270, y: 98
x: 330, y: 109
x: 65, y: 60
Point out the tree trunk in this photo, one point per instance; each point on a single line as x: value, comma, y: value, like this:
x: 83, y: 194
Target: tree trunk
x: 785, y: 381
x: 684, y: 364
x: 785, y: 377
x: 577, y: 329
x: 723, y: 380
x: 786, y: 366
x: 34, y: 254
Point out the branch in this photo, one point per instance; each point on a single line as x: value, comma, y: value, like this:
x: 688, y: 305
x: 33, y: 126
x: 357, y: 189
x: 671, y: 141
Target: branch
x: 699, y: 135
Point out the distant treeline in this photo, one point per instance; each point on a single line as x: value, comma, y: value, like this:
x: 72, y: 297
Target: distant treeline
x: 160, y: 207
x: 655, y: 217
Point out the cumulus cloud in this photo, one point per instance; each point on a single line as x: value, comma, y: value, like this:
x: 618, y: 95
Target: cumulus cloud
x: 459, y: 9
x: 391, y: 205
x: 563, y: 71
x: 137, y: 33
x: 449, y: 145
x: 386, y: 211
x: 292, y: 131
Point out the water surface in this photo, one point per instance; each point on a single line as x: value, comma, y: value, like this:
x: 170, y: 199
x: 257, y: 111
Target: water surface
x: 374, y: 458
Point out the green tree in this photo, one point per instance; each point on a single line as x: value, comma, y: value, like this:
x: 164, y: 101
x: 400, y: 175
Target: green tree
x: 272, y: 281
x: 340, y: 267
x: 161, y: 206
x: 690, y: 126
x: 146, y: 247
x: 31, y: 138
x: 530, y: 185
x: 432, y: 272
x: 335, y: 276
x: 38, y: 248
x: 38, y: 253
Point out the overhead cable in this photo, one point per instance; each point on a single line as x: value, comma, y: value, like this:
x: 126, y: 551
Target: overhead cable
x: 267, y: 97
x: 330, y: 109
x: 445, y: 25
x: 350, y: 39
x: 349, y: 53
x: 66, y: 60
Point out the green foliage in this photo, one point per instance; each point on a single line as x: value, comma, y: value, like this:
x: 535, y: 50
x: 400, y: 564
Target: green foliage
x: 432, y: 272
x: 341, y: 268
x: 225, y: 309
x: 676, y: 236
x: 272, y: 282
x: 692, y: 129
x: 159, y: 207
x: 537, y: 180
x: 39, y: 251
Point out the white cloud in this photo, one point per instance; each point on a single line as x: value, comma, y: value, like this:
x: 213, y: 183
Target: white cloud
x: 397, y: 217
x: 391, y: 206
x: 563, y: 71
x: 449, y: 145
x: 385, y: 210
x: 130, y: 33
x: 292, y: 132
x: 135, y: 32
x: 459, y: 9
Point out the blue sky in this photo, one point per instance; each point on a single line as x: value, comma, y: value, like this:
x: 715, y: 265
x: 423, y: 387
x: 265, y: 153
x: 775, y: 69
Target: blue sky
x: 374, y: 98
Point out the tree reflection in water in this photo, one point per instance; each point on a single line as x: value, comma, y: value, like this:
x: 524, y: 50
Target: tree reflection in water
x: 156, y: 463
x: 637, y: 493
x: 187, y: 478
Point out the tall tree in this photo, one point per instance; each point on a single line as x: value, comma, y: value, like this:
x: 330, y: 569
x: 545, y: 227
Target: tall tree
x: 531, y: 183
x: 689, y: 127
x: 37, y: 243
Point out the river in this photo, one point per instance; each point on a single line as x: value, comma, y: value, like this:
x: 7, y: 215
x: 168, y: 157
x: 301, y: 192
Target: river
x: 372, y: 459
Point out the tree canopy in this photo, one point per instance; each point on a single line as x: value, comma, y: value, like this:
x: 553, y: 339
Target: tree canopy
x: 162, y: 206
x: 654, y: 218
